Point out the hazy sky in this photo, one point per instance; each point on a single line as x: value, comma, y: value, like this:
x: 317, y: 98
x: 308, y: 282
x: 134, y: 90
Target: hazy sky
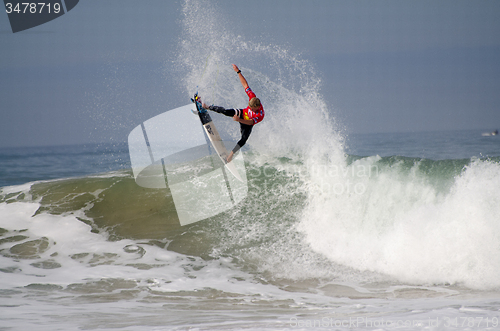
x: 95, y: 73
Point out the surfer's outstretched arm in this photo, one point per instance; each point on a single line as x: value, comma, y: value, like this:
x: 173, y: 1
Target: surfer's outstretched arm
x: 240, y: 76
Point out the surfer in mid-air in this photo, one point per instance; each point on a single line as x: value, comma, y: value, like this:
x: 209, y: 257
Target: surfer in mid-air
x: 247, y: 117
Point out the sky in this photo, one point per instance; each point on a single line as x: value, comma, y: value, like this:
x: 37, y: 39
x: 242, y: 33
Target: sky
x: 95, y: 73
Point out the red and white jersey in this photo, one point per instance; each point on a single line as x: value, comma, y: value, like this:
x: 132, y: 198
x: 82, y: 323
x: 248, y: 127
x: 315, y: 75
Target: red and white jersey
x: 248, y: 114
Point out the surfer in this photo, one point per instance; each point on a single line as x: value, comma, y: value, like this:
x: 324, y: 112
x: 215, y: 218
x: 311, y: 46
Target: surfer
x: 247, y: 117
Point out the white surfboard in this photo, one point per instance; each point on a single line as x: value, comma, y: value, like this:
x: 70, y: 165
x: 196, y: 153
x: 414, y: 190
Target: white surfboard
x: 214, y: 137
x: 219, y: 147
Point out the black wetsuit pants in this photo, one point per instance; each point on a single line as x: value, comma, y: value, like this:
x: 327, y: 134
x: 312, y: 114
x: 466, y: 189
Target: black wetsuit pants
x: 245, y: 129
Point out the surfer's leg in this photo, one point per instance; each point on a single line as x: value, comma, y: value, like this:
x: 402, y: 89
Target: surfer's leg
x: 222, y: 110
x: 245, y: 133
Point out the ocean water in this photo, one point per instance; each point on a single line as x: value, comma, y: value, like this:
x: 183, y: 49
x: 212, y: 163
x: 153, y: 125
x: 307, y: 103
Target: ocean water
x: 388, y: 231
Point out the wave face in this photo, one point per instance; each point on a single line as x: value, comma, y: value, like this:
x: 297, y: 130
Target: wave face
x: 366, y: 219
x: 416, y: 220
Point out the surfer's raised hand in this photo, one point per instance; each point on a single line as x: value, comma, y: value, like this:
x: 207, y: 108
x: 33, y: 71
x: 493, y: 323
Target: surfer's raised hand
x: 240, y: 75
x: 204, y: 105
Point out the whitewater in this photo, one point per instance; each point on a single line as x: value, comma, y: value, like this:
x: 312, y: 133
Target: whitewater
x: 368, y: 232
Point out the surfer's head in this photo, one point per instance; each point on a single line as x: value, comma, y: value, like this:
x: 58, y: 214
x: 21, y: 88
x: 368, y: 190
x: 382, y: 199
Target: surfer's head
x: 254, y: 103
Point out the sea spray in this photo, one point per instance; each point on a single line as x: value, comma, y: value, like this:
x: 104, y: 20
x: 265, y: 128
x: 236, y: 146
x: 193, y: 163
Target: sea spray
x: 297, y: 119
x: 299, y: 128
x: 361, y: 214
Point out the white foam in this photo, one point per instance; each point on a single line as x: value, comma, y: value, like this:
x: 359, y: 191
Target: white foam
x: 23, y: 188
x: 84, y: 257
x: 401, y: 226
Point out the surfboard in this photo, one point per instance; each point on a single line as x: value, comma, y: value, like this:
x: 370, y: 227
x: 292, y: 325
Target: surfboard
x: 214, y: 137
